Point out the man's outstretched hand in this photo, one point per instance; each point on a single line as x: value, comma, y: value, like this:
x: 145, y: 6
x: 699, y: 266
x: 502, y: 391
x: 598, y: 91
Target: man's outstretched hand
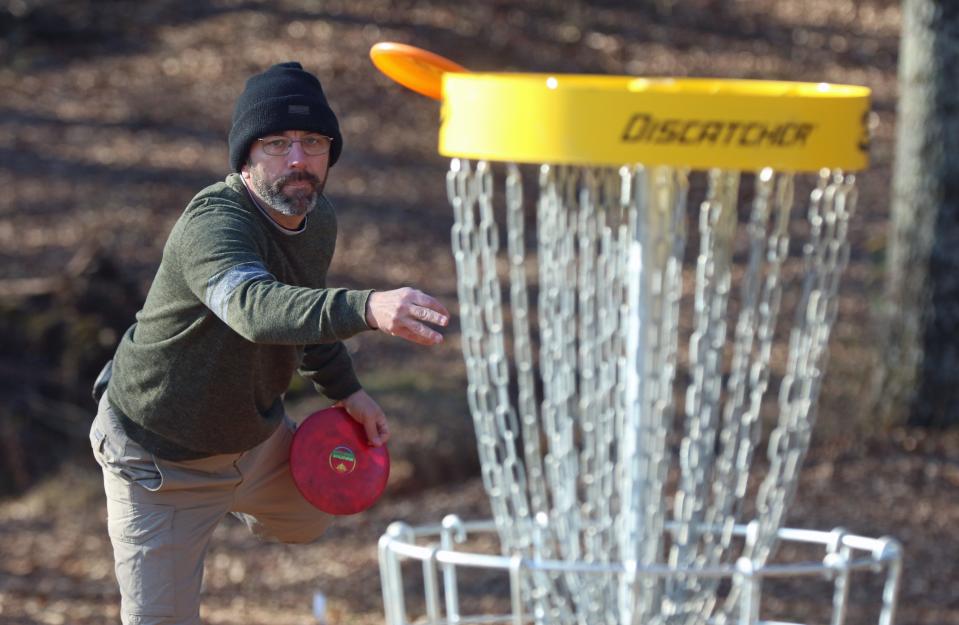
x: 406, y: 313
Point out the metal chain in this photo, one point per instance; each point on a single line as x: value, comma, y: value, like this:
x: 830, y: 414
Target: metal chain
x: 522, y: 344
x: 825, y: 257
x: 557, y: 323
x: 475, y: 241
x: 749, y: 371
x: 685, y: 596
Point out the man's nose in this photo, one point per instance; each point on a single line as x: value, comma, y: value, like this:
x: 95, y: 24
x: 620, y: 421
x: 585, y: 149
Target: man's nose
x: 296, y: 157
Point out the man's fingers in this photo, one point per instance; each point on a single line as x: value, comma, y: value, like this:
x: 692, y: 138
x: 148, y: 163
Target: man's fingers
x: 421, y: 334
x: 384, y: 430
x: 367, y: 413
x: 426, y: 301
x: 376, y: 430
x: 372, y: 433
x: 431, y: 336
x: 429, y: 316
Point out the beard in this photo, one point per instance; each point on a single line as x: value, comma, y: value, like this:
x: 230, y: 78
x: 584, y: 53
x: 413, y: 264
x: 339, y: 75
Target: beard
x: 297, y: 202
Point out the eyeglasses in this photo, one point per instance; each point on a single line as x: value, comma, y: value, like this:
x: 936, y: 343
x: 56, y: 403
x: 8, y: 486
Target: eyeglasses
x: 313, y: 145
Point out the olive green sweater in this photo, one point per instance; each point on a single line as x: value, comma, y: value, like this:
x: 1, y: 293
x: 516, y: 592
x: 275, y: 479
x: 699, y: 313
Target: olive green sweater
x: 237, y: 306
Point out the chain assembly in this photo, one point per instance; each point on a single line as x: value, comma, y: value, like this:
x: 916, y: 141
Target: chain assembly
x: 600, y: 365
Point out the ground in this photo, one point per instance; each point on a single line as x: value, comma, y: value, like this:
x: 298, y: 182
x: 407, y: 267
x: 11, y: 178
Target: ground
x: 114, y: 114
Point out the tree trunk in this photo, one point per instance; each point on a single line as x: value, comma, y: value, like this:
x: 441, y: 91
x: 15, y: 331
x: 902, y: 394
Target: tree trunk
x: 919, y: 376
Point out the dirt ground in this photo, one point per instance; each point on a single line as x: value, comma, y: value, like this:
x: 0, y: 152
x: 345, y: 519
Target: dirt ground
x: 114, y: 114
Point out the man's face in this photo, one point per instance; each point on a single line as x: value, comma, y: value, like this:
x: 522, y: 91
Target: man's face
x: 292, y: 183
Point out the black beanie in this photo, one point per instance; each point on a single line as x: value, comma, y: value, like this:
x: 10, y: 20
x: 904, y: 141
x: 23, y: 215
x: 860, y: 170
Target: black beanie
x: 284, y: 97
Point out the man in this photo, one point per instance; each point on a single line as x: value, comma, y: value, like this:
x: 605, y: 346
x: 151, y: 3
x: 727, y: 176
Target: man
x: 191, y: 426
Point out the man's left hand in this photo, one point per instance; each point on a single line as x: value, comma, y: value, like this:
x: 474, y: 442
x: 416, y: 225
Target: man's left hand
x: 367, y: 413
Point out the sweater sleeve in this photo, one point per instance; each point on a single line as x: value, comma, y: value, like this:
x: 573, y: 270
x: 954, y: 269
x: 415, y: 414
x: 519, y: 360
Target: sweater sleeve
x: 330, y: 368
x: 222, y: 263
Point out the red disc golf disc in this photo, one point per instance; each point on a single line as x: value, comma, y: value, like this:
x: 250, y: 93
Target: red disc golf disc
x: 334, y: 466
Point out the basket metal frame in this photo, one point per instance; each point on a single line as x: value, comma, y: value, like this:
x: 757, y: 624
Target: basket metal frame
x: 435, y: 547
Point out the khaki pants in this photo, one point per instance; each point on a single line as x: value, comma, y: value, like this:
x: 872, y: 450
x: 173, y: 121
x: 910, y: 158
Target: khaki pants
x: 161, y: 514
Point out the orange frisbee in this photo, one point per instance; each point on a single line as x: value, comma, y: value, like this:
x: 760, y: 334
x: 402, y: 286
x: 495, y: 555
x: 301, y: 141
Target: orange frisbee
x: 333, y: 464
x: 414, y: 68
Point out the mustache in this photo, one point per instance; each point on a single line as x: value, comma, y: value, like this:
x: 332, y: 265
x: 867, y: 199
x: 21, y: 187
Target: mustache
x: 299, y: 176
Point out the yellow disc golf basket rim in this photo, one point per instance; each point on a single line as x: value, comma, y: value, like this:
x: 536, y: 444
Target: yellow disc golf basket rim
x: 682, y: 122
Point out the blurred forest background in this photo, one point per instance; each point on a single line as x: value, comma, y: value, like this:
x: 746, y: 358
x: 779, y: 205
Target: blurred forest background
x: 113, y: 114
